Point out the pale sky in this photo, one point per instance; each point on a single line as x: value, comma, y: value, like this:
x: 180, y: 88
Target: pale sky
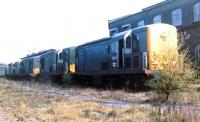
x: 33, y: 25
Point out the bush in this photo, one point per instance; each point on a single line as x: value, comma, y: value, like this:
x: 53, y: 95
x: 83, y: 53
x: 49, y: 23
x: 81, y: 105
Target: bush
x: 67, y: 77
x: 177, y: 73
x: 86, y: 113
x: 112, y: 114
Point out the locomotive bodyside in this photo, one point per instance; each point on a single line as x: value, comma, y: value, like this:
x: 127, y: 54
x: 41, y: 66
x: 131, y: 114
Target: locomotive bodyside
x: 126, y: 53
x: 29, y: 66
x: 92, y: 57
x: 16, y: 68
x: 48, y: 63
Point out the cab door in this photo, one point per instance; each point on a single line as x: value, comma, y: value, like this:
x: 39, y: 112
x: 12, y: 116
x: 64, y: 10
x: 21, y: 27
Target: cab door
x: 115, y: 54
x: 127, y: 51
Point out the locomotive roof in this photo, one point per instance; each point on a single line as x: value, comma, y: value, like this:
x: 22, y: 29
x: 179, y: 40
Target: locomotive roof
x: 118, y: 35
x: 122, y: 34
x: 95, y: 42
x: 39, y: 53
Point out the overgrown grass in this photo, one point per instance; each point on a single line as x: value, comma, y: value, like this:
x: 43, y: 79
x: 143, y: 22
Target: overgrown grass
x: 18, y: 99
x: 27, y: 106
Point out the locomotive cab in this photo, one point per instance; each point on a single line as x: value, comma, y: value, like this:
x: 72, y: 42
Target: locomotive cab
x: 66, y: 60
x: 133, y: 50
x: 129, y: 51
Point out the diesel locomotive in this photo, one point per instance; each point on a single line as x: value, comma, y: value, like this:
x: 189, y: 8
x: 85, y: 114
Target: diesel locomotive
x: 124, y: 55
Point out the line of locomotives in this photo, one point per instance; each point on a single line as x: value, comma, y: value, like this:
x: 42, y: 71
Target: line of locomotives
x: 126, y: 56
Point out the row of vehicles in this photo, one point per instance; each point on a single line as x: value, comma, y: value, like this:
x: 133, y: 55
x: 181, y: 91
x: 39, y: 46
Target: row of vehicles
x: 126, y: 54
x: 45, y: 63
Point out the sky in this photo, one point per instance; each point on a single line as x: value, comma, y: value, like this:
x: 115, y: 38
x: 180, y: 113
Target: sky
x: 28, y: 26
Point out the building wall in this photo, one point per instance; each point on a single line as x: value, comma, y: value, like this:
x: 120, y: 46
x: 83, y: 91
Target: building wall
x: 165, y: 10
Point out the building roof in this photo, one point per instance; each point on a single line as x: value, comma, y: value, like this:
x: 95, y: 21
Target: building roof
x: 119, y: 18
x: 157, y: 5
x: 145, y: 9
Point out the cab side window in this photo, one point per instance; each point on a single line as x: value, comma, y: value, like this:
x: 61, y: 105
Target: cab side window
x: 135, y: 43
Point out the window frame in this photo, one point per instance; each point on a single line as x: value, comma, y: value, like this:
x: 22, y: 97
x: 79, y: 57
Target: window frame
x: 126, y: 27
x: 196, y: 14
x: 113, y: 29
x: 177, y: 17
x: 155, y: 19
x: 139, y: 23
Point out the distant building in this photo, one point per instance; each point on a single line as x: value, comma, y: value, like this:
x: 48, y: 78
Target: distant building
x: 184, y: 14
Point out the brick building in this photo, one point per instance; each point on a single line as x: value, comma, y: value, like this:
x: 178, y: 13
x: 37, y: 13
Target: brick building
x: 184, y: 14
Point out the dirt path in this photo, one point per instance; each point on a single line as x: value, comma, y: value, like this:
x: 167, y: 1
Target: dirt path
x: 105, y: 102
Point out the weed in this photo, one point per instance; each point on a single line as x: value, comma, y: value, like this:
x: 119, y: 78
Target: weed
x: 112, y: 114
x: 86, y: 113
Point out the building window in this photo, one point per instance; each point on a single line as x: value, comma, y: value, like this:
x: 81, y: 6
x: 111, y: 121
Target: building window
x: 177, y: 17
x: 157, y: 19
x: 140, y: 23
x: 126, y: 27
x: 197, y: 12
x: 113, y: 31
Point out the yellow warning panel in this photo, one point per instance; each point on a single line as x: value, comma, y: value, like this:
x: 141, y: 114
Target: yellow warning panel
x: 72, y: 68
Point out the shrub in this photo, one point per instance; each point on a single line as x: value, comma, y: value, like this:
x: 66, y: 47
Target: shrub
x: 177, y: 72
x: 86, y: 113
x: 112, y: 114
x: 66, y: 77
